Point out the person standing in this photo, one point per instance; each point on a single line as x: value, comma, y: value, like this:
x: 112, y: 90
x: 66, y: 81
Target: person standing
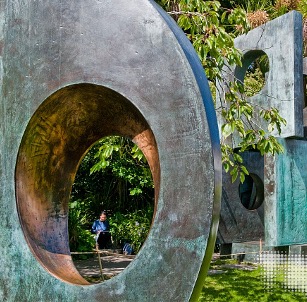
x: 101, y: 228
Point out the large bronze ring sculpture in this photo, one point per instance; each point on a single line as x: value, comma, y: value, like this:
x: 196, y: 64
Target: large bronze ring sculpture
x: 73, y: 72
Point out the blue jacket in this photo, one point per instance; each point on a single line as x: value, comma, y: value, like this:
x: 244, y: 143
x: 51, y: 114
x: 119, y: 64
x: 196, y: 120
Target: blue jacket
x: 100, y: 226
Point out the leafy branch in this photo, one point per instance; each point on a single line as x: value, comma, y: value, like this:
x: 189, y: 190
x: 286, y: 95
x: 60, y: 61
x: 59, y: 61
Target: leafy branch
x: 212, y: 30
x: 125, y: 160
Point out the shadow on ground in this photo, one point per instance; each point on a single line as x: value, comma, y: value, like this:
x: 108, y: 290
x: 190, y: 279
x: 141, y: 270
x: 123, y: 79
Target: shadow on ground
x: 112, y: 265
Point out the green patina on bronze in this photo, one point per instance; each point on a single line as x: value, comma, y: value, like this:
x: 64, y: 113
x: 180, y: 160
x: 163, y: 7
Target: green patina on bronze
x: 57, y: 136
x: 287, y: 195
x: 73, y: 72
x: 282, y: 219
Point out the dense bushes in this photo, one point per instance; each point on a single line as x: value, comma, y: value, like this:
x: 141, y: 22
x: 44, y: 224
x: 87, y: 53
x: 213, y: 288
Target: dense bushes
x: 132, y: 227
x: 80, y: 237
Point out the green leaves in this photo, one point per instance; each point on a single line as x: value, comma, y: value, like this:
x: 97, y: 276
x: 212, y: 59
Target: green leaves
x: 126, y: 161
x: 233, y: 163
x: 241, y: 119
x: 132, y: 227
x: 212, y: 29
x: 273, y: 118
x: 80, y: 238
x: 227, y: 129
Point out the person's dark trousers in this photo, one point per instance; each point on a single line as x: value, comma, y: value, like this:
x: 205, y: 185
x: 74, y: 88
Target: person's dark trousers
x: 104, y: 240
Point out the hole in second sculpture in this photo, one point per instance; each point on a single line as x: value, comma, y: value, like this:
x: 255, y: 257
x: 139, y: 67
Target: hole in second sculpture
x: 251, y: 192
x: 254, y: 72
x: 255, y: 75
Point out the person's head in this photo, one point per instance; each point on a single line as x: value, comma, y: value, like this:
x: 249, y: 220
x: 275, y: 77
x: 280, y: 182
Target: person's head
x: 103, y: 216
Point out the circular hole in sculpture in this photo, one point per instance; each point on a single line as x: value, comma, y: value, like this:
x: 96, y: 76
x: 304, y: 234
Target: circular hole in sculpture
x: 111, y: 208
x: 251, y: 192
x: 254, y: 72
x: 58, y: 135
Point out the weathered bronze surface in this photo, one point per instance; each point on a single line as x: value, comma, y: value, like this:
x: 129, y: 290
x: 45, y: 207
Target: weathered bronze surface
x: 73, y: 72
x: 237, y: 223
x: 283, y: 87
x: 282, y: 219
x: 57, y: 136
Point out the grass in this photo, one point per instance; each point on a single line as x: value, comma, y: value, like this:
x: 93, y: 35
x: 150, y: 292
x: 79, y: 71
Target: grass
x: 239, y: 285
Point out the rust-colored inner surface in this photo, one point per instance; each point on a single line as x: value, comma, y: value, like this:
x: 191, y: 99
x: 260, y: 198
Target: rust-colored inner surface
x: 58, y: 135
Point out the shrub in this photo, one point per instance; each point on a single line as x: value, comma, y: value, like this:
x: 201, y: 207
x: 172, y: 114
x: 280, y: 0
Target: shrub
x: 131, y: 227
x: 80, y: 237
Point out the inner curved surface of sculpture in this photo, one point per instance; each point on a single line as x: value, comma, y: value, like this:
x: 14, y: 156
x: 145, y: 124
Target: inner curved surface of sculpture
x: 58, y: 135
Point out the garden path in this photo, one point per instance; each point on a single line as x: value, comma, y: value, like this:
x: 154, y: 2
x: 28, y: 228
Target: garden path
x: 116, y: 263
x: 112, y: 265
